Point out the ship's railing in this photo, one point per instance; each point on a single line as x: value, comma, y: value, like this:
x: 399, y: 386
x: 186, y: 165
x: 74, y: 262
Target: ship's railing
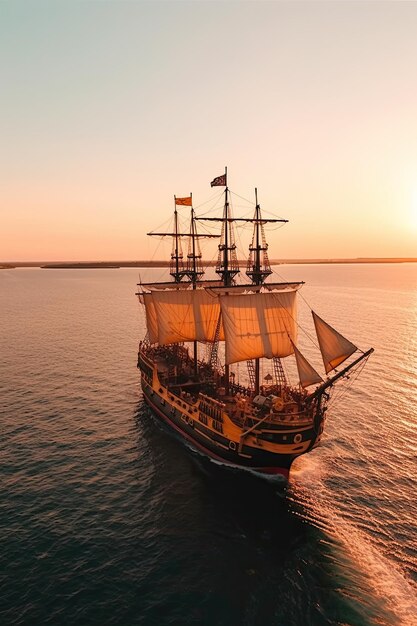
x: 284, y: 420
x: 143, y: 354
x: 236, y: 388
x: 302, y: 417
x: 244, y: 413
x: 261, y: 423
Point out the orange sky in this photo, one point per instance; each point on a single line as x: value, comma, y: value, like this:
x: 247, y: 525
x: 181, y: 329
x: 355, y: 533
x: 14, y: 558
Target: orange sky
x: 109, y: 109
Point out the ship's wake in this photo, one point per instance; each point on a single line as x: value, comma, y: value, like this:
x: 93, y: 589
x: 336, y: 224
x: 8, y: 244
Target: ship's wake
x: 367, y: 576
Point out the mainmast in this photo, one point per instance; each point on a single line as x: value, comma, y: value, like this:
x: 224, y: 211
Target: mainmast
x: 227, y: 264
x: 194, y: 272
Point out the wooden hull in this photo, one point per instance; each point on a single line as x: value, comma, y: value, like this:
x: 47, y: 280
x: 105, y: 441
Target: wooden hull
x: 226, y: 447
x: 213, y: 449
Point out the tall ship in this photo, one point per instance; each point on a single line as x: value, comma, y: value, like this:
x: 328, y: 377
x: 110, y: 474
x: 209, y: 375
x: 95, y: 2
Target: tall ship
x: 209, y: 343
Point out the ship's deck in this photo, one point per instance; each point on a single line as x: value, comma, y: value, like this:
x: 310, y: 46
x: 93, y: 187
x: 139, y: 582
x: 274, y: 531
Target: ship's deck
x: 178, y: 373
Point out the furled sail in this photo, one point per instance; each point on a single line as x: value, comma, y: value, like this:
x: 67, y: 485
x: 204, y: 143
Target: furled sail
x: 333, y: 346
x: 151, y: 322
x: 184, y: 285
x: 264, y: 287
x: 306, y: 372
x: 186, y: 316
x: 259, y: 325
x: 164, y: 285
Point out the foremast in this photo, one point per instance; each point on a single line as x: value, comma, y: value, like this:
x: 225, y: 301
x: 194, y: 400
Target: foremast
x: 177, y: 268
x: 193, y: 269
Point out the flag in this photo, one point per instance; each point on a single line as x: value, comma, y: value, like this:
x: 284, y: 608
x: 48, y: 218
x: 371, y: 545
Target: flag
x: 184, y: 201
x: 220, y: 181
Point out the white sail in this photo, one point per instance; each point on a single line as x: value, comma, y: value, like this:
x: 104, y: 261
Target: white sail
x: 186, y: 316
x: 151, y: 322
x: 306, y: 372
x: 259, y: 325
x: 333, y: 346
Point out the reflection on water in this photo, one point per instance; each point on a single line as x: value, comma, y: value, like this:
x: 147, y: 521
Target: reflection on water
x: 290, y: 543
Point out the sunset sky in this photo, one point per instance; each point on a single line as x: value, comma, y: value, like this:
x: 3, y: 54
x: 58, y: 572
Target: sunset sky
x: 108, y: 109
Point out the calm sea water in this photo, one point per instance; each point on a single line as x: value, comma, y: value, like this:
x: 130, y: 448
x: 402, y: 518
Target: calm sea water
x: 105, y: 519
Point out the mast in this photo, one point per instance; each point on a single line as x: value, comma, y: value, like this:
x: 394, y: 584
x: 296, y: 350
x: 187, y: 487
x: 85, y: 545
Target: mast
x: 193, y: 274
x: 227, y: 264
x: 194, y: 269
x: 256, y: 274
x: 226, y: 274
x: 259, y: 267
x: 194, y: 277
x: 177, y: 270
x: 176, y: 255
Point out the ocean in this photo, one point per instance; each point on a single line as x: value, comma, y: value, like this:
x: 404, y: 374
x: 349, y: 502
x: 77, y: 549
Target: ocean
x: 107, y: 519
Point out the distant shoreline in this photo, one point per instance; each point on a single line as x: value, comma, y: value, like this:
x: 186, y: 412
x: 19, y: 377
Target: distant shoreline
x: 162, y: 264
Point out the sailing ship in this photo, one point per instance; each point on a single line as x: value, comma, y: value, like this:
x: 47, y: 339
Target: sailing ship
x: 199, y: 331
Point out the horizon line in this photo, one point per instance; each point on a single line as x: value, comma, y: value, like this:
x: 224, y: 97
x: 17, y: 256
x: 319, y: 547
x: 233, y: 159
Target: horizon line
x: 164, y: 263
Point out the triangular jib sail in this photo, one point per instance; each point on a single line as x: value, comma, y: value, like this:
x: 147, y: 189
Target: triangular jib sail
x: 306, y: 372
x: 334, y: 347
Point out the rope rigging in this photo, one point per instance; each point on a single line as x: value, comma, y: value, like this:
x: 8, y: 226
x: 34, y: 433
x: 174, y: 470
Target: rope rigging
x: 258, y: 266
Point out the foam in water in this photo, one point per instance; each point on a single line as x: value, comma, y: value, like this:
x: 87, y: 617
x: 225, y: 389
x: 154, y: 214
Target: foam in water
x: 381, y: 585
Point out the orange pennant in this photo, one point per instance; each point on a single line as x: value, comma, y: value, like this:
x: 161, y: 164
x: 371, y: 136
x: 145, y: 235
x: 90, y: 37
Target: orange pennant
x: 184, y: 201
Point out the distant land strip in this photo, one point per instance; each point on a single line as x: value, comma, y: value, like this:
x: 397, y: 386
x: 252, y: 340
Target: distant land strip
x: 158, y: 264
